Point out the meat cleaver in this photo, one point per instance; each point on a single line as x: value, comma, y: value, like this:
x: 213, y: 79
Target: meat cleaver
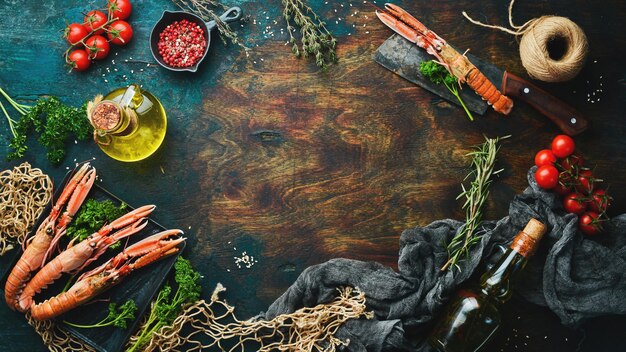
x: 403, y: 57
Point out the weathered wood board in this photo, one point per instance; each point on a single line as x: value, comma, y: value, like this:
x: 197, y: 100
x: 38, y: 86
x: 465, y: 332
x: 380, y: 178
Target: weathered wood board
x: 266, y: 154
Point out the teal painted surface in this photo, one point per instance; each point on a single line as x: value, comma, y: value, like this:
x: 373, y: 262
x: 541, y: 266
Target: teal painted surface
x: 31, y: 65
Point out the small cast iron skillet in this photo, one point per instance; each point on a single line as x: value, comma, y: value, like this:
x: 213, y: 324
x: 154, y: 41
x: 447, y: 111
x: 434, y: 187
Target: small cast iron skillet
x: 169, y: 17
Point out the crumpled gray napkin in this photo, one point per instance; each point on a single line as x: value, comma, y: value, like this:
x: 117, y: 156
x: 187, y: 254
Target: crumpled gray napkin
x: 576, y: 277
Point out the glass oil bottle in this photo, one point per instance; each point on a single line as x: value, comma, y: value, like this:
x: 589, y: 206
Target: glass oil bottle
x: 473, y: 316
x: 129, y: 123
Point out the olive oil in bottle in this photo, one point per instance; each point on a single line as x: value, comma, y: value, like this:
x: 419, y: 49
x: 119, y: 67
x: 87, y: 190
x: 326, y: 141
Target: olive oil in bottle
x: 129, y: 124
x: 473, y: 317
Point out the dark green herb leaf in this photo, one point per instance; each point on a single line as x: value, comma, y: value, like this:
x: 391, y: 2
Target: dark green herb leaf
x: 117, y: 317
x: 55, y: 122
x: 166, y: 308
x: 92, y: 216
x: 438, y: 74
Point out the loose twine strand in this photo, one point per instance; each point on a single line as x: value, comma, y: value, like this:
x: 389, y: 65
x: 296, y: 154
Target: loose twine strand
x: 536, y: 34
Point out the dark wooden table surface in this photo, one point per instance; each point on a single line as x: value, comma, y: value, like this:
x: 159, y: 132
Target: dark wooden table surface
x: 266, y: 154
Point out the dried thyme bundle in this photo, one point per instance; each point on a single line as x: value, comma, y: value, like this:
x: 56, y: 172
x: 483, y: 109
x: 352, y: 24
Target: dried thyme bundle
x: 203, y: 8
x: 316, y: 40
x: 483, y: 161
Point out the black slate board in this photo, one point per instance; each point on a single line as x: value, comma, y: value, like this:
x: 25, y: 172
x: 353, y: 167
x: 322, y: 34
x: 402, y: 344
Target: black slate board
x: 140, y: 286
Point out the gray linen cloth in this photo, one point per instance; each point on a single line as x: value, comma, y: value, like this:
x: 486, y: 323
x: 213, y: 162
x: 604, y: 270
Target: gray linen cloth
x: 575, y: 276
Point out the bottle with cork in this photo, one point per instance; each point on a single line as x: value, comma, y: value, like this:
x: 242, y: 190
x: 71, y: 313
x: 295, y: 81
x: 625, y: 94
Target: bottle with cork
x: 473, y: 317
x: 129, y: 123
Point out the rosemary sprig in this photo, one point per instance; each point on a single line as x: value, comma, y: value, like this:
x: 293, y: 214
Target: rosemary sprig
x: 203, y: 9
x: 316, y: 40
x: 483, y: 161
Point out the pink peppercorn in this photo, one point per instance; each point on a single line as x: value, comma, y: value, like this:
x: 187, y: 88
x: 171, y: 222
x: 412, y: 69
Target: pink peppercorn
x: 182, y: 44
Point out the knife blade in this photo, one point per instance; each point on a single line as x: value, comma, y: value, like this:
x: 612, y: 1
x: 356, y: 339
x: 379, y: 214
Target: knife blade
x: 403, y: 57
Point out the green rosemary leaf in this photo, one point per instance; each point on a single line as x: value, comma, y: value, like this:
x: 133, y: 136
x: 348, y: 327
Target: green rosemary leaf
x: 483, y: 161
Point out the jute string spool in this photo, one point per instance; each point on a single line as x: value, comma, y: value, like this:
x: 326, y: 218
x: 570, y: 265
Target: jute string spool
x: 536, y: 37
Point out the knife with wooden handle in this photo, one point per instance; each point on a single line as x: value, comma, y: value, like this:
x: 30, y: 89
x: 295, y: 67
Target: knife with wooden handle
x: 403, y: 57
x: 567, y: 118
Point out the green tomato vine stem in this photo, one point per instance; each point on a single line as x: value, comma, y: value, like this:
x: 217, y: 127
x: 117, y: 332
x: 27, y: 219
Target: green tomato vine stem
x: 82, y: 42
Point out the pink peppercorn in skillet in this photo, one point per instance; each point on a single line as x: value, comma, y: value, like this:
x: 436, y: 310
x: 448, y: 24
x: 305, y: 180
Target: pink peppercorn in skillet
x: 182, y: 44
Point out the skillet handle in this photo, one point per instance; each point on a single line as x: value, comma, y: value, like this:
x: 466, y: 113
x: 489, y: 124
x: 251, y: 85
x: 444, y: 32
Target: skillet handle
x: 231, y: 15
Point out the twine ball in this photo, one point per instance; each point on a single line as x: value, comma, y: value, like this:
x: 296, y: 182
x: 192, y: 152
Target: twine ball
x: 534, y: 49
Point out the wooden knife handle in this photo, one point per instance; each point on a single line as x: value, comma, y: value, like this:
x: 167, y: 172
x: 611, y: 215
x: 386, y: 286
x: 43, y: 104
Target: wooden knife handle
x: 567, y: 118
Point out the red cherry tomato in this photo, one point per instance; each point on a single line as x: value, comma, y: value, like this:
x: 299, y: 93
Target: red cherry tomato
x: 575, y: 203
x: 547, y: 176
x: 95, y: 19
x: 589, y: 224
x: 545, y: 157
x: 121, y: 8
x: 79, y: 60
x: 75, y: 32
x: 564, y: 186
x: 120, y: 33
x: 599, y: 201
x: 572, y: 162
x: 584, y: 182
x: 561, y: 189
x: 563, y: 146
x: 97, y: 46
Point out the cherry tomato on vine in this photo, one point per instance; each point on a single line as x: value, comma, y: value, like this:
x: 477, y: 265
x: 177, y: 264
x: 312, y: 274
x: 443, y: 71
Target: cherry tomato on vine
x: 75, y: 32
x: 584, y: 182
x: 547, y: 176
x: 599, y: 201
x: 79, y: 60
x: 120, y: 32
x: 564, y: 186
x: 97, y: 46
x: 575, y: 203
x: 589, y: 224
x: 563, y: 146
x: 545, y: 157
x: 573, y: 161
x: 95, y: 19
x: 561, y: 189
x: 121, y: 8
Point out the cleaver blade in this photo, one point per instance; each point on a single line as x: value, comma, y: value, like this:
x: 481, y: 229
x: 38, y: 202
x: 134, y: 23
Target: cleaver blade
x: 403, y: 57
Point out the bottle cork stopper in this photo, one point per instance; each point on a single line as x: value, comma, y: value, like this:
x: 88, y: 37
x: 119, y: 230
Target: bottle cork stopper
x: 535, y: 229
x: 106, y: 115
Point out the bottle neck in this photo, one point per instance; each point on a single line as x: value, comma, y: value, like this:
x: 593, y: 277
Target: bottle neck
x: 110, y: 119
x: 496, y: 282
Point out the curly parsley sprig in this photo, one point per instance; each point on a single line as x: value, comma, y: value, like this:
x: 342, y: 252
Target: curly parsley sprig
x: 165, y: 308
x: 92, y: 216
x: 437, y: 74
x: 118, y: 316
x: 53, y: 120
